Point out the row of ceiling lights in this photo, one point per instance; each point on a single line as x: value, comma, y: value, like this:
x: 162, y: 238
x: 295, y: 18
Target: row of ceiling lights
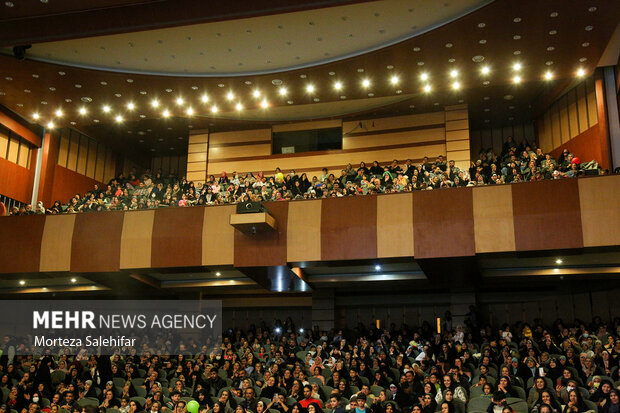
x: 309, y: 88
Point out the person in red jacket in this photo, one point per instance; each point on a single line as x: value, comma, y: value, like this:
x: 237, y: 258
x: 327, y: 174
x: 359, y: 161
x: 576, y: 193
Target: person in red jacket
x: 308, y: 398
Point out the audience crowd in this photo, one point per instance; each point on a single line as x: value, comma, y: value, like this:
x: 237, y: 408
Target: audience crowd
x: 516, y: 163
x: 523, y: 368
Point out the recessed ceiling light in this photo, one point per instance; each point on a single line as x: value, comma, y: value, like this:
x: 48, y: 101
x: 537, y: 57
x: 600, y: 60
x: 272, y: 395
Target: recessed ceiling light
x: 554, y: 14
x: 73, y: 280
x: 482, y: 41
x: 256, y: 93
x: 189, y: 111
x: 517, y: 19
x: 583, y: 59
x: 589, y: 28
x: 82, y: 111
x: 303, y: 76
x: 214, y: 109
x: 58, y: 113
x: 449, y: 45
x: 478, y: 58
x: 424, y: 76
x: 585, y: 44
x: 35, y: 116
x: 517, y: 66
x: 516, y: 79
x: 581, y: 72
x: 310, y: 88
x: 264, y: 104
x: 360, y: 70
x: 338, y: 85
x: 366, y: 83
x: 230, y: 95
x: 118, y: 118
x: 420, y: 63
x: 516, y: 37
x: 168, y: 90
x: 316, y: 99
x: 390, y: 67
x: 377, y: 268
x: 394, y: 80
x: 204, y: 98
x: 131, y: 106
x: 485, y: 70
x: 50, y: 125
x: 166, y: 113
x: 550, y: 49
x: 282, y: 91
x: 456, y: 85
x: 154, y: 103
x: 179, y: 101
x: 129, y: 80
x: 238, y: 106
x: 106, y: 108
x: 592, y: 9
x: 454, y: 73
x: 548, y: 75
x: 398, y: 91
x: 143, y: 92
x: 559, y: 261
x: 427, y: 88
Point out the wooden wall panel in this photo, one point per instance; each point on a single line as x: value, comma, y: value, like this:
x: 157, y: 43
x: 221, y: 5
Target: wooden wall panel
x: 13, y: 150
x: 82, y: 155
x: 493, y: 219
x: 196, y: 176
x: 20, y: 243
x: 457, y: 125
x: 395, y: 226
x: 240, y: 151
x: 100, y: 168
x: 458, y: 114
x: 268, y: 248
x: 395, y: 138
x: 573, y: 119
x: 540, y: 225
x: 92, y: 159
x: 240, y: 136
x: 68, y: 183
x: 136, y: 239
x: 96, y: 243
x: 197, y: 147
x: 396, y: 122
x: 586, y: 146
x: 591, y: 98
x: 197, y: 157
x: 196, y: 167
x: 582, y: 107
x: 600, y: 216
x: 218, y: 236
x: 443, y: 223
x: 4, y: 144
x: 564, y: 125
x: 304, y: 231
x: 314, y: 124
x: 177, y: 237
x: 16, y: 182
x: 56, y: 243
x: 457, y: 135
x: 349, y: 228
x: 198, y: 138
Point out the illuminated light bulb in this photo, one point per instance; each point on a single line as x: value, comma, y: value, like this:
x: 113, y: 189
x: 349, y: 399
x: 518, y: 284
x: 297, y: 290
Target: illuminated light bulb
x: 131, y: 106
x: 485, y: 70
x: 189, y: 111
x: 155, y: 103
x: 256, y: 93
x: 50, y: 125
x: 82, y: 111
x: 204, y: 98
x: 581, y: 72
x: 179, y: 101
x: 22, y: 282
x: 424, y: 76
x: 118, y: 118
x: 454, y: 73
x: 310, y: 88
x: 166, y: 113
x: 427, y: 88
x: 73, y: 280
x: 264, y: 104
x: 238, y: 106
x: 338, y: 85
x: 394, y: 80
x: 365, y: 83
x: 456, y: 85
x: 548, y: 75
x: 35, y: 116
x: 282, y: 91
x: 517, y: 66
x: 516, y: 79
x: 214, y: 109
x: 230, y: 96
x: 106, y: 109
x: 58, y: 113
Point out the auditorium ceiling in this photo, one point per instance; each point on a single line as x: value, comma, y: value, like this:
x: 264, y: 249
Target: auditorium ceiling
x: 144, y: 79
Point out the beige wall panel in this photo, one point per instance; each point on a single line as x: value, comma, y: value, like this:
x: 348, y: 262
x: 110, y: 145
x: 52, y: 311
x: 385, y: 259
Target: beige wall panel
x: 330, y: 160
x: 396, y: 122
x: 74, y: 148
x: 197, y: 157
x: 136, y: 239
x: 564, y: 126
x: 455, y: 107
x: 196, y: 166
x: 239, y: 151
x: 99, y: 171
x: 457, y: 146
x: 197, y: 147
x: 110, y: 166
x: 592, y: 110
x: 56, y: 243
x: 24, y: 155
x: 599, y: 220
x: 457, y: 125
x: 13, y: 150
x: 218, y: 237
x: 395, y: 225
x: 92, y: 159
x: 240, y: 136
x: 463, y: 165
x: 555, y: 126
x: 457, y: 135
x: 319, y: 124
x: 458, y: 155
x: 198, y: 176
x: 4, y: 144
x: 493, y: 219
x: 572, y: 114
x: 369, y: 141
x: 303, y: 231
x: 200, y: 138
x: 582, y: 107
x: 456, y: 114
x: 63, y: 151
x: 83, y: 155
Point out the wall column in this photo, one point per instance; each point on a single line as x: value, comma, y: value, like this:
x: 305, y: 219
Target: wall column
x: 613, y: 119
x: 323, y: 304
x: 197, y: 156
x: 457, y: 136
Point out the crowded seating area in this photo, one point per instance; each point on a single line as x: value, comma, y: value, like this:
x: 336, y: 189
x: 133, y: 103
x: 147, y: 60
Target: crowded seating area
x: 524, y: 367
x: 516, y: 163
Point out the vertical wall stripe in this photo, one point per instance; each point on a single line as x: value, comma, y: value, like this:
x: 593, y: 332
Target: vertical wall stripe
x: 56, y: 243
x: 443, y: 223
x: 177, y: 237
x: 493, y: 219
x: 599, y: 200
x: 20, y: 243
x: 267, y: 248
x: 349, y: 228
x: 547, y: 215
x: 218, y: 236
x: 136, y: 239
x: 395, y: 226
x: 304, y: 231
x: 96, y: 243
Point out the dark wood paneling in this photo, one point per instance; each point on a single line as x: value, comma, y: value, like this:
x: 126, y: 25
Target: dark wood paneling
x: 177, y: 237
x: 96, y: 244
x: 48, y: 167
x: 394, y: 130
x: 67, y: 183
x: 267, y: 248
x: 349, y: 228
x: 443, y: 223
x: 586, y: 146
x: 246, y: 143
x: 547, y: 215
x: 20, y: 243
x: 16, y: 181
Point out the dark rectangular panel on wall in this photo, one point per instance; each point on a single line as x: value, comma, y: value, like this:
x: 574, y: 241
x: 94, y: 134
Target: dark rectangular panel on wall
x: 267, y: 248
x: 177, y: 237
x: 547, y: 215
x: 443, y: 223
x: 349, y: 228
x: 20, y: 243
x: 96, y: 244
